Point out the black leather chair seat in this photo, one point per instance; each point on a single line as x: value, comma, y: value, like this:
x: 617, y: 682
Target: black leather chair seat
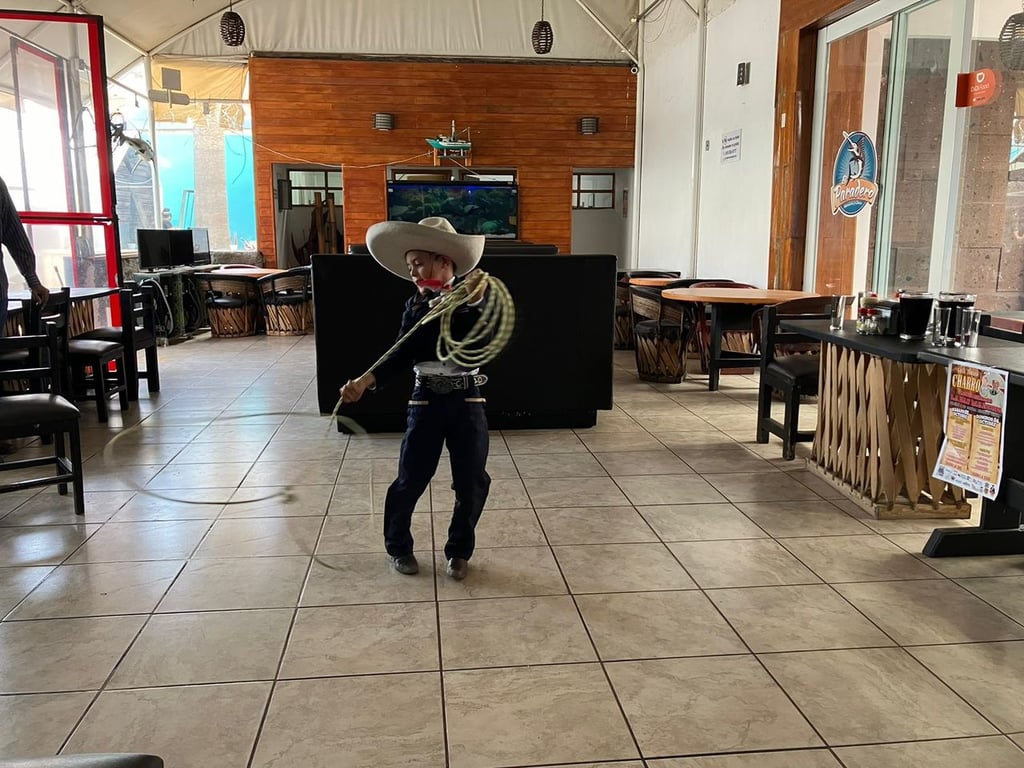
x: 800, y: 371
x: 18, y: 359
x: 107, y: 333
x: 227, y: 302
x: 16, y: 410
x: 287, y: 297
x: 79, y: 346
x: 651, y: 329
x: 85, y: 761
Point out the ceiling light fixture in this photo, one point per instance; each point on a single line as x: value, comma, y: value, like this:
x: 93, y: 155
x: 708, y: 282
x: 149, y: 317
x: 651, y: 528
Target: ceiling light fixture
x: 543, y: 36
x: 232, y: 28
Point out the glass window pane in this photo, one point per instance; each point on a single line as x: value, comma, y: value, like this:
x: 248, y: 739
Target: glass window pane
x: 65, y: 255
x: 604, y: 200
x: 596, y: 181
x: 334, y: 179
x: 306, y: 178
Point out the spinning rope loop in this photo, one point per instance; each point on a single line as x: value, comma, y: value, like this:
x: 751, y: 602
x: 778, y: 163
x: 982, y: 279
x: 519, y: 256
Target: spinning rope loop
x: 487, y: 338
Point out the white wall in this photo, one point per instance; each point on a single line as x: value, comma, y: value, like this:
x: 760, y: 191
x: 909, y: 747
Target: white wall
x: 667, y: 135
x: 605, y: 230
x: 735, y: 199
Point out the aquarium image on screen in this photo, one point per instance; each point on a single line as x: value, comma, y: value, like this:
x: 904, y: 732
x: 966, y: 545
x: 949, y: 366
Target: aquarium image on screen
x: 487, y: 209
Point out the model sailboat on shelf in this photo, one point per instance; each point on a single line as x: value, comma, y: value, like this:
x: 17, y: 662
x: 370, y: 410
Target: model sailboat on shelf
x: 451, y: 145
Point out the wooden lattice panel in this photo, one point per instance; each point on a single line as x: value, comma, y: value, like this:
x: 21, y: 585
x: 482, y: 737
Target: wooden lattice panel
x: 660, y: 360
x: 879, y: 433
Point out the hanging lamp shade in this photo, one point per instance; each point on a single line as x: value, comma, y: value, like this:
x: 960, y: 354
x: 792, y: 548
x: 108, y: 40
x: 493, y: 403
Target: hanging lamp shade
x: 1011, y: 42
x: 543, y: 36
x: 232, y: 28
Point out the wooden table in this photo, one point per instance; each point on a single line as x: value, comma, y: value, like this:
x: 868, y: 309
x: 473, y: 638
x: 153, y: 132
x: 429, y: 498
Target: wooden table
x: 82, y: 313
x: 730, y: 311
x: 253, y: 272
x: 652, y: 282
x: 880, y: 410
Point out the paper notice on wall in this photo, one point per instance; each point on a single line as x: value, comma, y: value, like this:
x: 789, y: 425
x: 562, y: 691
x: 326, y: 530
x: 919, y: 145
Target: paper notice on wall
x: 972, y: 452
x: 732, y: 142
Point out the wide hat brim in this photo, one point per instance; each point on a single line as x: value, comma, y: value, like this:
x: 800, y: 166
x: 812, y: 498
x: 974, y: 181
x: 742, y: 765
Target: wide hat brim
x: 389, y: 241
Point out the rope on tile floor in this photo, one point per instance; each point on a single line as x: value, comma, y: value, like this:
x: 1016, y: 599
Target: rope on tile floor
x: 487, y: 338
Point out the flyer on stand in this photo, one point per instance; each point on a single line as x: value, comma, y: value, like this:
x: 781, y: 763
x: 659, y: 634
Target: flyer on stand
x: 972, y: 452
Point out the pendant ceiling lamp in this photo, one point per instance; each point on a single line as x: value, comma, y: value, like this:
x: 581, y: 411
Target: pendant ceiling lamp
x: 1011, y: 42
x: 543, y: 36
x: 232, y: 28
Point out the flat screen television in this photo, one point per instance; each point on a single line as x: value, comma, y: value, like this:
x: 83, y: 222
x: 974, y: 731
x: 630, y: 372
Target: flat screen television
x: 164, y: 248
x: 482, y: 208
x: 200, y: 246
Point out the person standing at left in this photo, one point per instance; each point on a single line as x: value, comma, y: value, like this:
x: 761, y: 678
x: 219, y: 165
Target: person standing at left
x: 13, y: 237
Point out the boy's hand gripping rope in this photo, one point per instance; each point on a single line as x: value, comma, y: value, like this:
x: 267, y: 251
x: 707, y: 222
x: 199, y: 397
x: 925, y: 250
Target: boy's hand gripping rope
x: 489, y: 335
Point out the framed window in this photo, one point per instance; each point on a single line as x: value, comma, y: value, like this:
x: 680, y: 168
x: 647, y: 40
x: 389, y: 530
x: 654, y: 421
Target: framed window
x: 593, y: 190
x: 306, y: 183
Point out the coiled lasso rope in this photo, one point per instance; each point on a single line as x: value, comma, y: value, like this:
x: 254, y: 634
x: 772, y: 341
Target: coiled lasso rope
x: 487, y: 338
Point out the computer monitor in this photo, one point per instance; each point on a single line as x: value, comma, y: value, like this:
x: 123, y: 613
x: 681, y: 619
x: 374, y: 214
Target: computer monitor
x: 154, y: 249
x: 201, y: 246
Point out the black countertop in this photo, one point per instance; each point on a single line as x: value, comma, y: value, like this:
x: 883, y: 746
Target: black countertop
x: 1008, y: 357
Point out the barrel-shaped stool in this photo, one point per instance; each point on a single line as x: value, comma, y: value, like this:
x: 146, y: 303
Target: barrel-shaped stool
x: 660, y: 352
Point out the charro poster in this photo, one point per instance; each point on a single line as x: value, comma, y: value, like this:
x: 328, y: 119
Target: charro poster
x: 972, y: 452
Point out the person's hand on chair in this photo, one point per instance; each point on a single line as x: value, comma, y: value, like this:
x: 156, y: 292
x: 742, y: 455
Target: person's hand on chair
x: 41, y: 294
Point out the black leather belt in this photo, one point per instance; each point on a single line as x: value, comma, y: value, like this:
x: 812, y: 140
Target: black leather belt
x: 442, y: 385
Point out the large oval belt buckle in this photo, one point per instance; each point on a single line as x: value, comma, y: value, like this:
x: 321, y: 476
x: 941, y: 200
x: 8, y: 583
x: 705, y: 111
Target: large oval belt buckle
x: 442, y: 386
x: 479, y: 380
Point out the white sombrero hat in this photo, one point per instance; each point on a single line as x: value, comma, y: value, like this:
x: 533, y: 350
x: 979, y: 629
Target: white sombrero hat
x: 389, y: 241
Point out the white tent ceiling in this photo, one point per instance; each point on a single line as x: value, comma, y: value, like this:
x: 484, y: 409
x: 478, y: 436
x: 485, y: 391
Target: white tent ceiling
x: 449, y: 28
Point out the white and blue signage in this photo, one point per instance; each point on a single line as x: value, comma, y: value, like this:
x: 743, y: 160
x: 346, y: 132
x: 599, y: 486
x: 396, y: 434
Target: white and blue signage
x: 855, y: 177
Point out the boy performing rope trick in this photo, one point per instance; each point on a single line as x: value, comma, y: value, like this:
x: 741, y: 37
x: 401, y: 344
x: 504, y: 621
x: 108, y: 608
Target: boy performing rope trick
x: 475, y: 316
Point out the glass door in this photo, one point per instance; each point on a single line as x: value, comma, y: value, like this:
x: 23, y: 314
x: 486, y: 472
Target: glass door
x: 884, y: 148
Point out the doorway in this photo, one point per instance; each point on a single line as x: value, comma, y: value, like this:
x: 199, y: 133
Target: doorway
x: 885, y: 156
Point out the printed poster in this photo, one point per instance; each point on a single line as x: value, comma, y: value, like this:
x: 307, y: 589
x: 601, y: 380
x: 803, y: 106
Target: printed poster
x: 972, y: 452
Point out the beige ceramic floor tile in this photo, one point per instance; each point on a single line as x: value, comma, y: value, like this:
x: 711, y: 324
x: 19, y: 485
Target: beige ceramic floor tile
x: 15, y: 583
x: 639, y: 625
x: 219, y: 647
x: 575, y: 492
x: 744, y: 563
x: 125, y: 542
x: 721, y: 459
x: 253, y: 582
x: 514, y: 631
x: 297, y: 501
x: 206, y: 453
x: 358, y: 579
x: 363, y: 471
x: 497, y: 528
x: 963, y: 567
x: 773, y: 486
x: 988, y: 675
x: 36, y: 725
x: 212, y: 475
x: 387, y: 721
x: 100, y: 589
x: 595, y: 525
x: 351, y: 499
x: 504, y: 494
x: 930, y: 612
x: 810, y: 758
x: 606, y: 442
x: 197, y: 725
x: 260, y: 537
x: 1005, y: 593
x: 872, y: 695
x: 362, y: 639
x: 292, y: 473
x: 307, y: 449
x: 621, y: 568
x: 799, y: 618
x: 559, y: 465
x: 355, y: 534
x: 50, y: 508
x: 187, y: 505
x: 660, y: 462
x: 700, y: 522
x: 729, y: 704
x: 857, y: 558
x: 1018, y: 738
x: 510, y: 572
x: 668, y: 489
x: 990, y: 751
x: 522, y: 442
x: 62, y: 654
x: 784, y: 519
x: 524, y: 715
x: 41, y: 545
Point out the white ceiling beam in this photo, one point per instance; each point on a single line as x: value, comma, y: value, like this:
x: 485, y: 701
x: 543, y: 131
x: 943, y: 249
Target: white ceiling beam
x: 597, y: 20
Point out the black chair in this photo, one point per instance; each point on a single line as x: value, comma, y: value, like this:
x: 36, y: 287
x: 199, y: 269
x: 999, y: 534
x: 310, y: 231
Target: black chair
x: 789, y: 365
x: 232, y: 303
x: 42, y: 410
x: 287, y: 301
x: 84, y: 761
x: 136, y: 333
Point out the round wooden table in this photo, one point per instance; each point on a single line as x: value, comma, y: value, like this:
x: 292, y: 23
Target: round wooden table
x: 652, y: 282
x: 727, y: 315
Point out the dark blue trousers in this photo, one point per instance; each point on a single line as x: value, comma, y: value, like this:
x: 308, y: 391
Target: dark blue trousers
x: 458, y: 419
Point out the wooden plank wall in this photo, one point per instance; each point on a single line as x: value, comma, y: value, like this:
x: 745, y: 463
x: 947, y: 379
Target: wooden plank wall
x: 521, y: 116
x: 794, y: 99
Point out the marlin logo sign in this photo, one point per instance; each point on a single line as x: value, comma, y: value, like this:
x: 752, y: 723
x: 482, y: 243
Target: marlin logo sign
x: 854, y: 180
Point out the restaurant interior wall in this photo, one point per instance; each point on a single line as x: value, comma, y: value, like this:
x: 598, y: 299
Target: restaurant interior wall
x: 606, y: 230
x: 521, y: 116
